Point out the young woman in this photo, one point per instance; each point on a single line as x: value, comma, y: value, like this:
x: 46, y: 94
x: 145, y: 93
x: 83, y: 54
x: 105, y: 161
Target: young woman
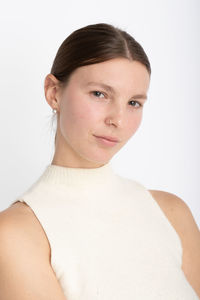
x: 81, y: 231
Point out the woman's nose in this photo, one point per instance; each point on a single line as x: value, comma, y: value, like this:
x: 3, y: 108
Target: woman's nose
x: 116, y: 122
x: 115, y: 117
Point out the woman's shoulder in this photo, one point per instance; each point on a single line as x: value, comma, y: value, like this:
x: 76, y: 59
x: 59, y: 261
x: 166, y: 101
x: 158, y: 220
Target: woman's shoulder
x: 172, y: 206
x: 24, y: 257
x: 176, y: 210
x: 181, y: 218
x: 18, y: 224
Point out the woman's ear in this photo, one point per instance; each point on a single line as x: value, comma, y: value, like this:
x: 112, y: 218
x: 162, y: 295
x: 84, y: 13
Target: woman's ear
x: 52, y: 89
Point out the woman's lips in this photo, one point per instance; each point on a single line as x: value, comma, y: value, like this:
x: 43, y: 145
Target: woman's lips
x: 105, y: 141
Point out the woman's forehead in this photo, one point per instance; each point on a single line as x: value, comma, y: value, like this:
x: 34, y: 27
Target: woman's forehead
x: 112, y: 73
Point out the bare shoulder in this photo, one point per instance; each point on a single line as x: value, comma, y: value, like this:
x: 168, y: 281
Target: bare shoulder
x: 18, y: 224
x: 178, y: 213
x: 173, y: 207
x: 181, y: 218
x: 25, y: 257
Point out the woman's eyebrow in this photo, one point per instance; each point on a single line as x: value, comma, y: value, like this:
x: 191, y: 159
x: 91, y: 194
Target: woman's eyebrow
x: 105, y: 86
x: 111, y: 89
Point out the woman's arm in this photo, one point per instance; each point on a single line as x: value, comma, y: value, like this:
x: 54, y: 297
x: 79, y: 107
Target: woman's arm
x: 25, y: 269
x: 181, y: 218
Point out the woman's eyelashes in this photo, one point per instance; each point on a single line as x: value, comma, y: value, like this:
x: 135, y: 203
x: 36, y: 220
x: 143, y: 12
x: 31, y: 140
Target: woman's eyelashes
x: 97, y: 93
x: 139, y: 104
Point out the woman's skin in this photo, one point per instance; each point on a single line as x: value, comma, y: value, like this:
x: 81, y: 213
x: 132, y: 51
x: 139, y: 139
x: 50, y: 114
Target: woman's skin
x: 84, y: 111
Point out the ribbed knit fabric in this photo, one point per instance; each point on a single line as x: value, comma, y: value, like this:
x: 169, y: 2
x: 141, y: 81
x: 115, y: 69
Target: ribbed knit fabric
x: 109, y: 238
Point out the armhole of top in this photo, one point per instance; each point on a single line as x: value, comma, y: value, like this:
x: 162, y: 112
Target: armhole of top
x: 175, y: 233
x: 30, y: 208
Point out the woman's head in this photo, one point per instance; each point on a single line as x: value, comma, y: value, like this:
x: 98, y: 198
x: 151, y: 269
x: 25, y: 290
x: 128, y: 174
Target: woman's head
x: 106, y: 55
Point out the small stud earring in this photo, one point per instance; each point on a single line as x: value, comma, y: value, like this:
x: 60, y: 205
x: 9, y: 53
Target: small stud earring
x: 54, y: 110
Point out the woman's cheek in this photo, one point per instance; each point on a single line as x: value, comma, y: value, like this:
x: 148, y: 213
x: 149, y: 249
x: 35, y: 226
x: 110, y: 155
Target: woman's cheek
x: 88, y: 116
x: 134, y: 124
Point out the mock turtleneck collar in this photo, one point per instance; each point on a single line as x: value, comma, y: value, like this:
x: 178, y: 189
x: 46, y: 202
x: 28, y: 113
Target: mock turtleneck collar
x: 55, y: 175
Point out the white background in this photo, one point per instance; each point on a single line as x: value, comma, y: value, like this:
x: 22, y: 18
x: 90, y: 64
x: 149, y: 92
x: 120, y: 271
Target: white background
x: 164, y: 152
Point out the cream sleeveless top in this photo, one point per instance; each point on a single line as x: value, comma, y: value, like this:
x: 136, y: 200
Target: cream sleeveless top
x: 109, y: 238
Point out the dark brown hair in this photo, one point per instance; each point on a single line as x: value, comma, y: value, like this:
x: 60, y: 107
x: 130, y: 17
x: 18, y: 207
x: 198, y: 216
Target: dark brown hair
x: 93, y: 44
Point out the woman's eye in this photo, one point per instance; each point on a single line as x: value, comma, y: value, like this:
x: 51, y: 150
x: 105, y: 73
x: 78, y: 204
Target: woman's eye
x: 97, y: 93
x: 136, y: 102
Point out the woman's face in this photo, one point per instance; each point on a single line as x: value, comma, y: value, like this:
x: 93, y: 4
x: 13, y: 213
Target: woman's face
x: 86, y: 108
